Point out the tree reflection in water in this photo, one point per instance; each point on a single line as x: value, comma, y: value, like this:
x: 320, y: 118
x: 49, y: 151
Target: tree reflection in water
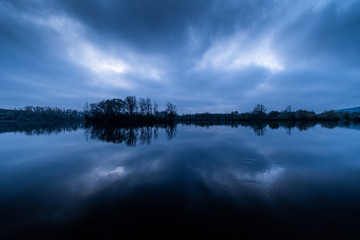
x: 40, y: 128
x: 130, y: 135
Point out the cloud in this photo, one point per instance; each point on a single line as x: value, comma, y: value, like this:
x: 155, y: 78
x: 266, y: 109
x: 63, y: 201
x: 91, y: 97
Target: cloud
x: 322, y: 36
x: 206, y: 55
x: 235, y: 53
x: 148, y: 25
x: 110, y: 70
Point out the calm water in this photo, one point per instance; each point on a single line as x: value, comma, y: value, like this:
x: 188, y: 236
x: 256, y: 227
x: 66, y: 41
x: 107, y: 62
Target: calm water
x: 182, y: 181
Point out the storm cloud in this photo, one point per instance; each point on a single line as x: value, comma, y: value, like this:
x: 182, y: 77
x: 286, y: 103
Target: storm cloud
x: 204, y: 55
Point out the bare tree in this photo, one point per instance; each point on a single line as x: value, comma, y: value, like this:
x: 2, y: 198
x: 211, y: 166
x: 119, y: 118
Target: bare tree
x: 131, y: 104
x: 288, y: 109
x: 142, y: 106
x: 171, y: 109
x: 156, y: 110
x: 259, y: 108
x: 148, y: 107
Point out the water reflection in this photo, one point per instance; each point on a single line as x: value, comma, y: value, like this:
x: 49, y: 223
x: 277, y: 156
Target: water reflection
x: 205, y: 181
x: 259, y: 128
x: 34, y: 128
x: 130, y: 135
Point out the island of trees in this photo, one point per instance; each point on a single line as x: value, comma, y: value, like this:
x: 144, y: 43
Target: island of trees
x: 130, y: 110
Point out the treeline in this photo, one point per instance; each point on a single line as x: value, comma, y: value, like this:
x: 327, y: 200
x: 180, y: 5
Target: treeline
x: 141, y: 111
x: 40, y: 115
x: 259, y: 114
x: 128, y: 110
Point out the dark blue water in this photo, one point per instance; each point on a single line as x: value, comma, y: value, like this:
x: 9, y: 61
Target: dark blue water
x: 183, y: 181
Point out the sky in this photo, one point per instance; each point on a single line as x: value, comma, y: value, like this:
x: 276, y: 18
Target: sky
x: 203, y: 55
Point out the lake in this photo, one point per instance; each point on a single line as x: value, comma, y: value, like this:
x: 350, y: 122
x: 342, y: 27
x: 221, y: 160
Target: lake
x: 181, y: 181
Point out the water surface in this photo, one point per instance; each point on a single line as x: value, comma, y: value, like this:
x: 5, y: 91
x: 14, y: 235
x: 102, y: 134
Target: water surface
x: 181, y: 181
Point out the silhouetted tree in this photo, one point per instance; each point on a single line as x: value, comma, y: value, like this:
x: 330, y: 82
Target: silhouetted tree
x: 259, y: 112
x: 328, y: 115
x: 305, y: 115
x: 86, y: 108
x: 148, y: 107
x: 287, y: 109
x: 171, y: 110
x: 156, y: 110
x: 142, y: 106
x: 287, y: 114
x: 119, y: 106
x: 259, y: 108
x: 131, y: 104
x: 273, y: 115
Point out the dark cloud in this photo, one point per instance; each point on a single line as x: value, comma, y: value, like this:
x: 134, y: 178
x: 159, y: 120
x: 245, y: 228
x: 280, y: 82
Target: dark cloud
x: 203, y: 55
x: 145, y: 24
x: 324, y: 37
x: 163, y: 25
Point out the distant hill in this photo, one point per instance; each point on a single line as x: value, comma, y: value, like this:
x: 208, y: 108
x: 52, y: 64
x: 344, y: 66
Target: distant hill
x: 350, y: 110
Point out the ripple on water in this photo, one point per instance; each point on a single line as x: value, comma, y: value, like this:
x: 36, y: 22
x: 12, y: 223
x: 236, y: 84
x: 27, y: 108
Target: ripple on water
x: 254, y: 187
